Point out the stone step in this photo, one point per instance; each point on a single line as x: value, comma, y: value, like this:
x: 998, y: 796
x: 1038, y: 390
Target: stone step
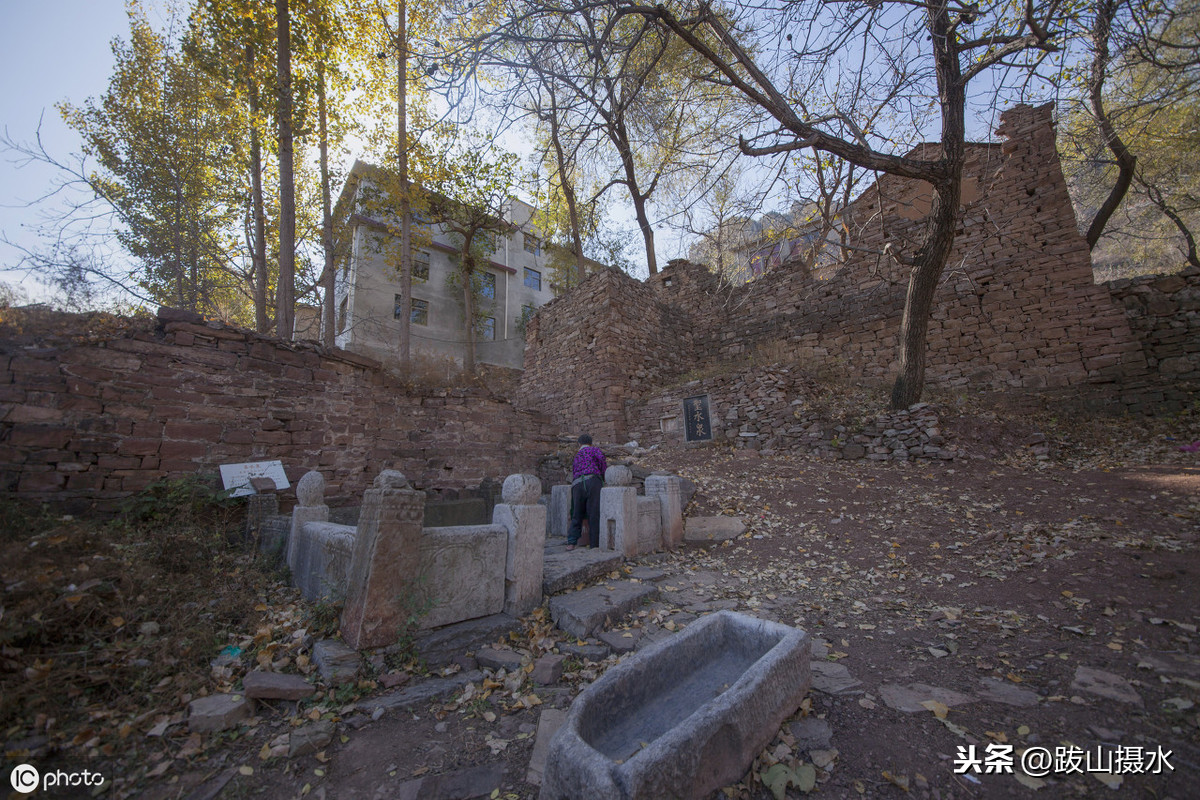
x: 563, y: 570
x: 584, y: 612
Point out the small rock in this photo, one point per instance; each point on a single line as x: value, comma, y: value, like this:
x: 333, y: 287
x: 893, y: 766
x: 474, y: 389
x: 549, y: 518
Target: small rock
x: 149, y: 629
x: 337, y: 662
x: 589, y: 651
x: 1105, y: 684
x: 217, y: 712
x: 261, y: 685
x: 390, y: 680
x: 619, y: 641
x: 548, y: 669
x: 310, y: 738
x: 811, y: 733
x: 498, y: 659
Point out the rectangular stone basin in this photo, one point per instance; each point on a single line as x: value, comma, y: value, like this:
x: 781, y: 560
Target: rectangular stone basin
x: 684, y: 717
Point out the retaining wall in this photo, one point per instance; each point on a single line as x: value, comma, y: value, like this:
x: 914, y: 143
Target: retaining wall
x: 89, y: 417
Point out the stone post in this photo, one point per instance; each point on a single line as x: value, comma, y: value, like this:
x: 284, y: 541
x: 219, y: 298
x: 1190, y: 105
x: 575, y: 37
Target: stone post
x: 260, y: 505
x: 310, y: 507
x: 381, y: 585
x: 525, y: 519
x: 618, y: 512
x: 560, y: 510
x: 669, y: 490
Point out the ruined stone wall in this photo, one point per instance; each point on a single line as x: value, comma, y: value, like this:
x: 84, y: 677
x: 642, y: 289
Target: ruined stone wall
x: 1017, y: 306
x: 1164, y: 314
x: 87, y: 419
x: 587, y: 354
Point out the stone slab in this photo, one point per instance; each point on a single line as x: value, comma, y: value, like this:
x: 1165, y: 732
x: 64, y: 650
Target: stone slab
x: 584, y: 612
x: 566, y: 570
x: 998, y: 691
x: 310, y: 738
x: 550, y: 720
x: 337, y: 662
x: 463, y: 784
x: 491, y: 658
x: 588, y: 651
x: 441, y: 646
x: 459, y: 575
x: 833, y: 678
x: 323, y: 560
x: 259, y: 685
x: 620, y: 641
x: 548, y: 669
x: 812, y: 733
x: 217, y: 712
x: 649, y: 524
x: 683, y: 718
x: 559, y: 513
x: 909, y: 698
x: 421, y: 692
x: 712, y: 529
x: 1105, y: 684
x: 618, y: 520
x: 668, y: 489
x: 525, y: 553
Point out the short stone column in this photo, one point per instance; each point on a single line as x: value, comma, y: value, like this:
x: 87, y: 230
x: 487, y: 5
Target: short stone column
x: 559, y: 515
x: 525, y: 520
x: 310, y: 507
x: 618, y: 512
x: 381, y: 585
x: 669, y: 491
x: 262, y: 504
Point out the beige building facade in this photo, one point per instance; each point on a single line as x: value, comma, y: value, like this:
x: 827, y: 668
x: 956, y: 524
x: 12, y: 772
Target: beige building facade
x: 515, y: 283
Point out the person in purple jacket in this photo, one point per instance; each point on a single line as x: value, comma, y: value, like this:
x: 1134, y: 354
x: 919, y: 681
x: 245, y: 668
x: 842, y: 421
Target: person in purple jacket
x: 587, y: 476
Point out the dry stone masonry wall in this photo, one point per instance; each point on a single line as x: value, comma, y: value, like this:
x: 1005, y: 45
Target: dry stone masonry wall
x: 84, y: 421
x: 1017, y: 308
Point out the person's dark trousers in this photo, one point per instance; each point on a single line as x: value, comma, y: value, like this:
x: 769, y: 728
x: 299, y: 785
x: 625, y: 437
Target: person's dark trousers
x: 585, y: 499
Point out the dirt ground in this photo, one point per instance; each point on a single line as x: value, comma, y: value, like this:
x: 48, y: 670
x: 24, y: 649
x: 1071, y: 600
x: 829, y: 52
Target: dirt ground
x: 992, y: 601
x: 958, y: 582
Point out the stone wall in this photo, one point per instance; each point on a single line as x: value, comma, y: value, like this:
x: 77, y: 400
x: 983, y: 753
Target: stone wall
x: 1164, y: 314
x: 1016, y: 308
x: 87, y: 417
x: 586, y: 356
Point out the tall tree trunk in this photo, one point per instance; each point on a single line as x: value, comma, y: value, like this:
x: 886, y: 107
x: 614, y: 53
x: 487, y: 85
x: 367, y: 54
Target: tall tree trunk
x: 262, y: 322
x: 568, y: 187
x: 930, y: 259
x: 285, y: 301
x: 1106, y: 11
x: 635, y: 194
x: 405, y: 209
x: 330, y: 271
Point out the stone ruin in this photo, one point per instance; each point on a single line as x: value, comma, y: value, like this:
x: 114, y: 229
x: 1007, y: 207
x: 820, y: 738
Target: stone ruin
x: 630, y: 524
x: 393, y: 572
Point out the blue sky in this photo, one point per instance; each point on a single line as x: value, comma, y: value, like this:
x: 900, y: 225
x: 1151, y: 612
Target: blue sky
x: 50, y: 50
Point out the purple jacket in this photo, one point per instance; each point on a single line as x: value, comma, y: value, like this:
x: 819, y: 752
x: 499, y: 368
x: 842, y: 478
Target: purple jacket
x: 589, y: 461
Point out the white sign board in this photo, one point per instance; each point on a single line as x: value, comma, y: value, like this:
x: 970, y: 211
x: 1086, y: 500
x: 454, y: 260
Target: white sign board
x: 236, y: 477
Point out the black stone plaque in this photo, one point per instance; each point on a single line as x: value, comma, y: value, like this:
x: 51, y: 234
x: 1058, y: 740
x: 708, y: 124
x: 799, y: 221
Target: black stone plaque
x: 696, y: 424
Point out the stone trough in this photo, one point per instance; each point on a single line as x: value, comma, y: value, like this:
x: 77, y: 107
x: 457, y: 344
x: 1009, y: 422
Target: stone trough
x: 684, y: 717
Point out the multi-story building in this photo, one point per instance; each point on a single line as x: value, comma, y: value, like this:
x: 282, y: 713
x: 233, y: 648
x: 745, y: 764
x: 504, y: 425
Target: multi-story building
x: 515, y: 282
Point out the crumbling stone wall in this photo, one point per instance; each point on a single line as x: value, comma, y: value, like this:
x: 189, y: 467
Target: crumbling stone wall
x: 610, y: 341
x: 1164, y: 314
x: 1017, y: 306
x: 91, y: 419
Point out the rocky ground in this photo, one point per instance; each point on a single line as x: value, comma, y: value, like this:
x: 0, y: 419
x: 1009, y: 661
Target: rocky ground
x: 988, y: 602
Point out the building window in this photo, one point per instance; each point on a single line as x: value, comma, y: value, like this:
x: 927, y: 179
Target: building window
x: 342, y: 311
x: 488, y: 285
x: 419, y: 314
x: 420, y: 266
x: 531, y: 244
x: 487, y: 329
x: 533, y: 279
